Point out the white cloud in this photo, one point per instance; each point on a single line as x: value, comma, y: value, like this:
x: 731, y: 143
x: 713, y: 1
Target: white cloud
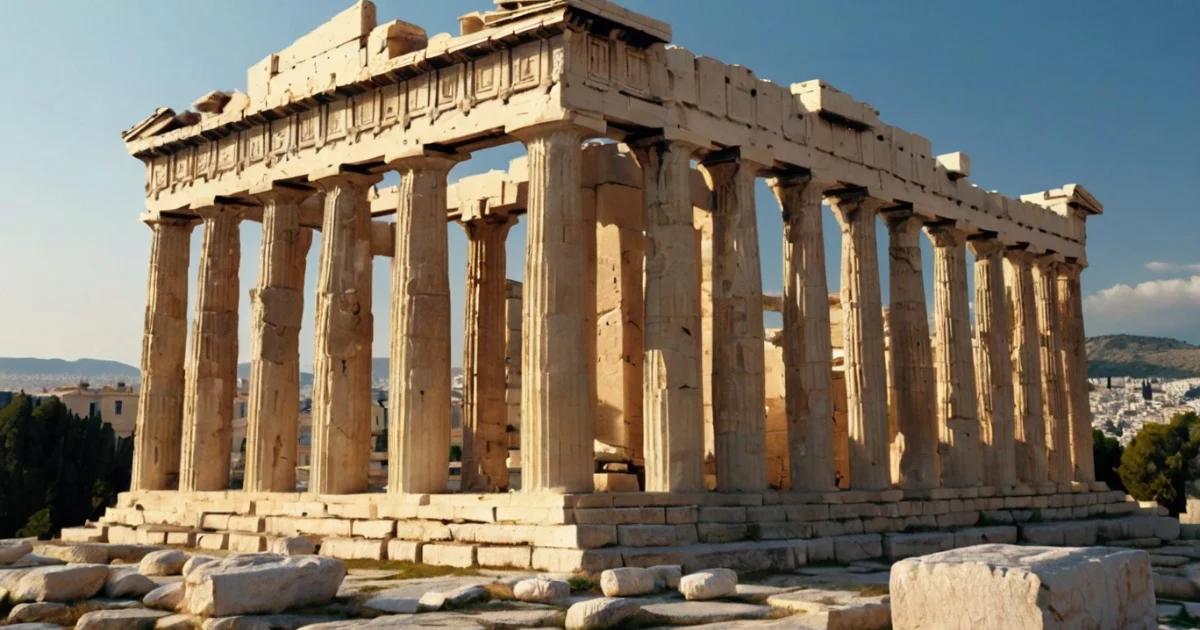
x: 1166, y: 266
x: 1157, y: 307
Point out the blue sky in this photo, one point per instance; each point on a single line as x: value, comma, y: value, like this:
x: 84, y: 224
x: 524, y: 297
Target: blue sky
x: 1039, y: 94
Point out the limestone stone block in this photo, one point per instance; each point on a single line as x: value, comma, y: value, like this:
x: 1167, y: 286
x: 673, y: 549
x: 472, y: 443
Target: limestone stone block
x: 292, y: 546
x: 899, y: 546
x: 354, y: 548
x: 374, y: 529
x: 682, y: 514
x: 709, y: 584
x: 645, y: 535
x: 1005, y: 586
x: 541, y: 590
x: 49, y: 613
x: 384, y: 604
x: 59, y: 584
x: 128, y: 583
x: 428, y: 531
x: 249, y: 524
x: 615, y: 482
x: 165, y: 562
x: 264, y: 583
x: 247, y: 543
x: 176, y: 622
x: 504, y: 557
x: 165, y: 597
x: 1166, y: 528
x: 569, y: 560
x: 75, y: 554
x: 127, y: 619
x: 212, y: 542
x: 957, y: 164
x: 462, y: 556
x: 600, y: 613
x: 847, y: 549
x: 77, y: 534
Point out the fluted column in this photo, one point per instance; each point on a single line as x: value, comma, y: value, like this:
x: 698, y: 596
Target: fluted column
x: 865, y: 364
x: 739, y: 385
x: 211, y: 382
x: 273, y: 413
x: 341, y: 409
x: 993, y: 365
x: 807, y: 348
x: 164, y: 340
x: 1074, y: 353
x: 485, y: 441
x: 911, y: 384
x: 557, y: 423
x: 1054, y: 393
x: 672, y: 404
x: 1029, y: 427
x: 419, y: 382
x: 958, y: 418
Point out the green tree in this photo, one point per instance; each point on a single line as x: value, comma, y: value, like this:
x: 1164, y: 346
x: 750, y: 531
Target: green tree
x: 455, y: 453
x: 57, y: 469
x: 1106, y: 455
x: 1159, y: 462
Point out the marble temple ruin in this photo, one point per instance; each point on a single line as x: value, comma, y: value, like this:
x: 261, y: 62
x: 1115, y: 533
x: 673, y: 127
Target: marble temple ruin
x: 641, y: 320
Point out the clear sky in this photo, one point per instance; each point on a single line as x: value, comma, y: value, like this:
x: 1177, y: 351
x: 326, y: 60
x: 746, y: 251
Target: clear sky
x: 1040, y: 94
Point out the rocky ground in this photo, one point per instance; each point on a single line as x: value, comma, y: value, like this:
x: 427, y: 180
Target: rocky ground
x: 116, y: 587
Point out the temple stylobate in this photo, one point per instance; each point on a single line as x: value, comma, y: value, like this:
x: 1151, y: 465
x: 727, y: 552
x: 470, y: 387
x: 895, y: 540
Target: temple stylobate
x: 641, y: 319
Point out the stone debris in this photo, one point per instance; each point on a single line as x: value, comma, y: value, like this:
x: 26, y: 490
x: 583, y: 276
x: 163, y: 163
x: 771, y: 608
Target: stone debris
x: 393, y: 605
x: 541, y: 590
x: 45, y: 612
x: 165, y: 597
x: 164, y: 562
x: 293, y: 546
x: 709, y: 584
x: 519, y: 619
x: 33, y: 626
x: 129, y: 619
x: 75, y: 554
x: 195, y: 562
x: 177, y: 622
x: 60, y: 584
x: 431, y: 601
x: 1005, y: 586
x: 128, y: 583
x: 466, y: 595
x: 13, y: 550
x: 627, y: 582
x: 266, y: 583
x: 600, y: 613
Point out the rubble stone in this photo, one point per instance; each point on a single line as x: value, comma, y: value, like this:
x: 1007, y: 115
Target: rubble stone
x: 709, y: 584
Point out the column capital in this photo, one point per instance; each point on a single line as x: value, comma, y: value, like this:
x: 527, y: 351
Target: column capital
x: 985, y: 246
x: 275, y: 193
x: 326, y: 178
x: 487, y: 220
x: 1048, y: 260
x: 756, y: 159
x: 680, y: 138
x: 152, y: 219
x: 1071, y: 267
x: 425, y: 158
x: 583, y: 127
x: 902, y: 219
x: 945, y: 234
x: 219, y: 210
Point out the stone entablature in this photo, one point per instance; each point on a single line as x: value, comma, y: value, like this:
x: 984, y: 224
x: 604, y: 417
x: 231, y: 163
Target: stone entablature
x: 583, y: 60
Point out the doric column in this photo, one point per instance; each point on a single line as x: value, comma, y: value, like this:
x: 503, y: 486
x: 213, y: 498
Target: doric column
x: 557, y: 423
x: 1054, y: 393
x: 164, y: 339
x: 993, y: 365
x: 273, y: 414
x: 862, y: 317
x: 807, y: 348
x: 419, y: 383
x: 485, y: 441
x: 211, y: 383
x: 739, y: 396
x: 1074, y: 374
x: 911, y: 383
x: 1029, y: 428
x: 672, y: 406
x: 958, y: 418
x: 341, y: 409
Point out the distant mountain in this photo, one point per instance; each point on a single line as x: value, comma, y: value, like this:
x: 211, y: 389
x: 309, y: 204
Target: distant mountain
x: 1138, y: 356
x: 81, y: 367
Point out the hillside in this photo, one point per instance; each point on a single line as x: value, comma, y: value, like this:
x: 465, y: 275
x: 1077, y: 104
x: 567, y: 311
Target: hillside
x: 1137, y: 356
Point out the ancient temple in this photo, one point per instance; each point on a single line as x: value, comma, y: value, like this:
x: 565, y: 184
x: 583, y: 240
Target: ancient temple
x: 641, y: 320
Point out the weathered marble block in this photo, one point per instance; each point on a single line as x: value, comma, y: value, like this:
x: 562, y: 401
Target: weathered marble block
x: 1008, y: 587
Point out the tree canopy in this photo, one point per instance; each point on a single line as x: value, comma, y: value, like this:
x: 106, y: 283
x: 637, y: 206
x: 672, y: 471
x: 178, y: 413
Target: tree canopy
x: 57, y: 469
x: 1159, y: 461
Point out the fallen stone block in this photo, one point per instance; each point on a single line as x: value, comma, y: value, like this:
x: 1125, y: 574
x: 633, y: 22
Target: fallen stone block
x: 128, y: 583
x: 244, y: 585
x: 997, y: 587
x: 165, y: 597
x: 541, y: 590
x: 626, y: 582
x: 177, y: 622
x: 75, y: 554
x: 164, y: 562
x: 900, y: 546
x: 293, y: 546
x: 666, y: 575
x: 13, y: 550
x: 129, y: 619
x: 692, y: 613
x: 709, y: 584
x: 600, y: 613
x: 41, y: 612
x: 60, y: 584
